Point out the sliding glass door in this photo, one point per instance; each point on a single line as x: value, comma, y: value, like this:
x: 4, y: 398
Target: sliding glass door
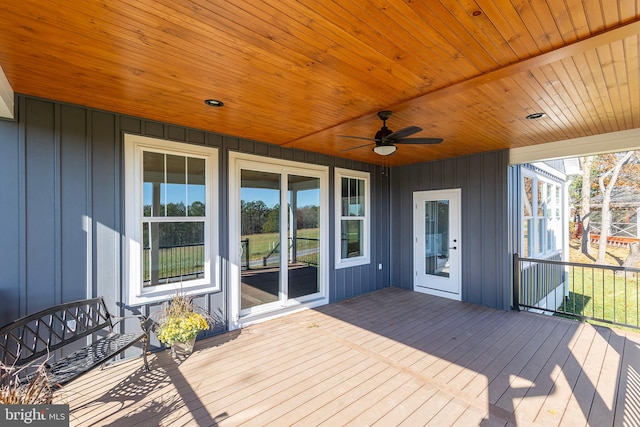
x: 279, y: 238
x: 303, y: 260
x: 260, y: 238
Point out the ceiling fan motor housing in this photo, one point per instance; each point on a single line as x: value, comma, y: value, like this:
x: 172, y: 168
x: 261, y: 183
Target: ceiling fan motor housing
x: 382, y: 134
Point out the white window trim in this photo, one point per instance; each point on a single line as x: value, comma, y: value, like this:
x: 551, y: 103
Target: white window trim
x: 366, y: 257
x: 134, y: 145
x: 238, y: 161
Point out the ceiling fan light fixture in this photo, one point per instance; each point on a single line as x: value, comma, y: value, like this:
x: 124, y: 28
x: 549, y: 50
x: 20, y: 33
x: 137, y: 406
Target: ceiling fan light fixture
x: 385, y: 150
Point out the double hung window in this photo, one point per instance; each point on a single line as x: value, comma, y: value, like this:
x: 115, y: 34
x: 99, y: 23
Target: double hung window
x: 170, y: 223
x: 352, y: 218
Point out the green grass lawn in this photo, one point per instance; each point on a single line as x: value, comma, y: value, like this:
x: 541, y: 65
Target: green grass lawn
x: 600, y: 293
x: 260, y: 245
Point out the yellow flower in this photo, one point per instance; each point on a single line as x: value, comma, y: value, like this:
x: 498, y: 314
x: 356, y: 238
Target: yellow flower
x: 181, y: 328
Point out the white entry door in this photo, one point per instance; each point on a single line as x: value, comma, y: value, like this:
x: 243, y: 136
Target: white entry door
x: 437, y: 244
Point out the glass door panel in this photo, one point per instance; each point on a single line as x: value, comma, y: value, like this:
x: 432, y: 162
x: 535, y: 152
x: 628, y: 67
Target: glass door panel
x: 260, y: 238
x: 437, y: 242
x: 436, y: 227
x: 303, y: 236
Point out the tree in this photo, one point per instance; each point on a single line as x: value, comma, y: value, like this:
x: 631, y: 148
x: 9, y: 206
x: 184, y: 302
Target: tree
x: 271, y: 223
x: 307, y: 217
x: 634, y: 256
x: 197, y: 209
x: 253, y: 215
x: 607, y: 182
x: 585, y: 202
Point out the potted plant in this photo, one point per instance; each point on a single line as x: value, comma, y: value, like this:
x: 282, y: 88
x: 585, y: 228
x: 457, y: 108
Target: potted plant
x: 36, y: 390
x: 178, y: 324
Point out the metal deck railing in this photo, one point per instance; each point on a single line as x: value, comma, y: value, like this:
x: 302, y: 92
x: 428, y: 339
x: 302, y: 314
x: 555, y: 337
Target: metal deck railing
x: 604, y: 293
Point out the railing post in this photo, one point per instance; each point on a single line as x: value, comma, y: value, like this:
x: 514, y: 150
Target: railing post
x: 516, y: 281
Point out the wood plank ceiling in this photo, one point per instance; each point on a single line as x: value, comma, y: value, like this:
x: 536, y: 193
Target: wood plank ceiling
x: 300, y: 73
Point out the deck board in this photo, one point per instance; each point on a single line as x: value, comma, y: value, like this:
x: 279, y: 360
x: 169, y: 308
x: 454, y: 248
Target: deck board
x: 392, y: 357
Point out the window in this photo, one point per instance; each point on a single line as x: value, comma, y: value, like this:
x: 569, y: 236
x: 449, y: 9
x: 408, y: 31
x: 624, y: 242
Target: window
x: 527, y: 218
x: 171, y: 229
x: 352, y: 218
x: 541, y: 222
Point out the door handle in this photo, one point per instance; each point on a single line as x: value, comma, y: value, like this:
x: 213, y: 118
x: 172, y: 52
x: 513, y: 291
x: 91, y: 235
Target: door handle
x: 453, y: 247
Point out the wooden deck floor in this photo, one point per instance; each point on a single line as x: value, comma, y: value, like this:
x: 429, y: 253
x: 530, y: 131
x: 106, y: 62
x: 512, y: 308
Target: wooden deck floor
x: 388, y: 358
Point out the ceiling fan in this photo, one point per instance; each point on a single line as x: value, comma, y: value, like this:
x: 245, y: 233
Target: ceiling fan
x: 385, y: 139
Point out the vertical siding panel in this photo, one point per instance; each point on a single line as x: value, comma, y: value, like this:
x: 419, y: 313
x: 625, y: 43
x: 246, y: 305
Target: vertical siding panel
x: 105, y: 208
x: 287, y: 154
x: 153, y: 129
x: 491, y: 201
x: 393, y: 267
x: 404, y: 180
x: 131, y: 125
x: 475, y: 238
x: 74, y: 201
x: 11, y: 245
x: 311, y: 158
x: 176, y: 133
x: 423, y: 176
x: 275, y: 151
x: 218, y: 141
x: 462, y: 180
x: 405, y: 241
x: 482, y: 179
x: 196, y: 137
x: 437, y: 179
x: 503, y: 254
x: 381, y: 237
x: 298, y: 156
x: 41, y: 215
x: 450, y: 173
x: 258, y: 148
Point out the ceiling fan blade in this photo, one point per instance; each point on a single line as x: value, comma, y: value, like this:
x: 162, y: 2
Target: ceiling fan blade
x: 355, y: 148
x: 418, y: 141
x: 356, y: 137
x: 403, y: 133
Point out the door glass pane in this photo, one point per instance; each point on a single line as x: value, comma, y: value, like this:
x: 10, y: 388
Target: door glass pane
x: 260, y: 237
x: 436, y: 228
x: 303, y: 235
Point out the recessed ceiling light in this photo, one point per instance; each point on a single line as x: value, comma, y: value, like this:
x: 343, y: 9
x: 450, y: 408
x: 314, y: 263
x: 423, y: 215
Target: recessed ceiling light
x: 476, y: 13
x: 535, y: 116
x: 213, y: 103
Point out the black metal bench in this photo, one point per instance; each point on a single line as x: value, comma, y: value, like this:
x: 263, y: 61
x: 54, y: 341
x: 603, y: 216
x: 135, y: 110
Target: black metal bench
x: 34, y: 338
